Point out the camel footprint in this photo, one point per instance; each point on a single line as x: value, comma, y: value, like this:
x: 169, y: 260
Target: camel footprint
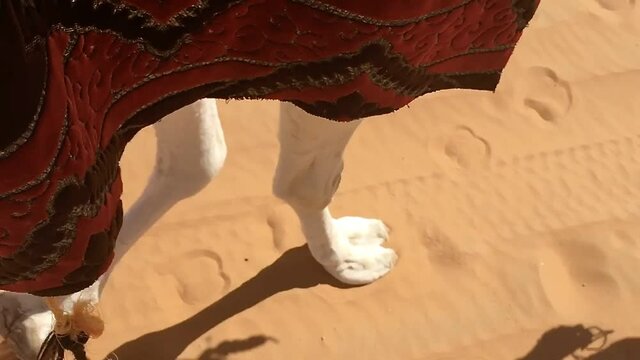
x: 546, y: 94
x: 199, y: 276
x: 466, y: 149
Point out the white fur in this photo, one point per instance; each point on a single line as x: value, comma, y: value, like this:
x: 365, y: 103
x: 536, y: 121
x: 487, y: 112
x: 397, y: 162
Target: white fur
x: 191, y: 151
x: 308, y: 174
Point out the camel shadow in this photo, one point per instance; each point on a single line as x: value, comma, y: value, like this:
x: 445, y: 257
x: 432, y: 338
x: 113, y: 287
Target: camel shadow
x: 574, y: 341
x: 295, y: 269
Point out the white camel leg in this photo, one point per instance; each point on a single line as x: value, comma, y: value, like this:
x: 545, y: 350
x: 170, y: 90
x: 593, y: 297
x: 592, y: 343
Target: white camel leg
x: 307, y: 177
x: 190, y: 151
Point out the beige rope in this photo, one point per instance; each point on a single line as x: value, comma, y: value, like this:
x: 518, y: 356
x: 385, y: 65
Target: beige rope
x: 84, y: 317
x: 83, y: 320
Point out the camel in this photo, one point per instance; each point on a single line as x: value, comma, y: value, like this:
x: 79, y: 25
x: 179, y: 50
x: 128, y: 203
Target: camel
x: 171, y: 62
x: 350, y: 248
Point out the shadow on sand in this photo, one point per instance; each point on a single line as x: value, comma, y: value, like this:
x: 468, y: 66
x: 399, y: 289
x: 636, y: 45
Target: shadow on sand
x: 226, y: 348
x: 295, y: 269
x: 582, y: 343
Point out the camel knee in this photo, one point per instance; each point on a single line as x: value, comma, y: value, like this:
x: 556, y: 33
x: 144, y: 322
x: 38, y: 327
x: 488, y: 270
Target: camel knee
x: 310, y: 164
x: 307, y: 190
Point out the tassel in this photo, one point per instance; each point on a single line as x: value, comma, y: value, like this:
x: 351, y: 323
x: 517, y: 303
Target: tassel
x: 72, y: 331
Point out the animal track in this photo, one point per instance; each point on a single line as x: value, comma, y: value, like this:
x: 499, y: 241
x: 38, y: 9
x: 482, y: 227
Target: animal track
x: 201, y: 286
x: 543, y: 191
x: 467, y: 149
x: 552, y: 98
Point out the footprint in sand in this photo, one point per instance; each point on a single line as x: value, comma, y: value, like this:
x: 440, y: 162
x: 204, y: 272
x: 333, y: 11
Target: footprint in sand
x: 546, y: 94
x: 196, y: 287
x: 616, y: 5
x: 466, y: 149
x: 575, y: 277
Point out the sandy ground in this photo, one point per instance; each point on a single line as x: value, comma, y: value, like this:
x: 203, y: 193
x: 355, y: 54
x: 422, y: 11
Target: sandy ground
x: 513, y: 214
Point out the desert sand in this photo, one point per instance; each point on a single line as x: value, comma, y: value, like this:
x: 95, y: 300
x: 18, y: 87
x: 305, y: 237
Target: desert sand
x: 513, y: 214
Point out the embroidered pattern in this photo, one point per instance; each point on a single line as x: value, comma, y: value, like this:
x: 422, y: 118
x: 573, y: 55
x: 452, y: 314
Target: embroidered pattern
x: 83, y: 76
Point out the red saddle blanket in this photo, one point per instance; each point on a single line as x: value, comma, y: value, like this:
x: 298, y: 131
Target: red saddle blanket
x: 78, y: 79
